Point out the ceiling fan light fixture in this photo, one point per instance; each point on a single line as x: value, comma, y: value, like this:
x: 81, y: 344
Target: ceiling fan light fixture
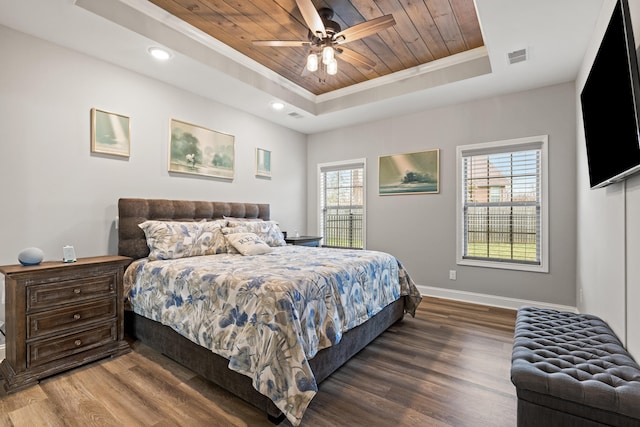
x: 332, y: 67
x: 325, y: 37
x: 312, y: 62
x: 327, y: 55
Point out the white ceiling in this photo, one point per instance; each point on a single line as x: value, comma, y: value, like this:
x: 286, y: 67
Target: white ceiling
x: 555, y: 33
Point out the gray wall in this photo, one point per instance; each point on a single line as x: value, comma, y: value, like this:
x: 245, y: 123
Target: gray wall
x: 420, y: 230
x: 608, y: 271
x: 54, y: 192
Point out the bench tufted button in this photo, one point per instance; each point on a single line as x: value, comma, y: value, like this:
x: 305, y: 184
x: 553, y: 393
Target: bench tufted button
x: 576, y: 358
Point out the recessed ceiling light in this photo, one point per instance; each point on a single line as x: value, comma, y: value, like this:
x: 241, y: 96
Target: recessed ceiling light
x: 277, y: 105
x: 159, y: 53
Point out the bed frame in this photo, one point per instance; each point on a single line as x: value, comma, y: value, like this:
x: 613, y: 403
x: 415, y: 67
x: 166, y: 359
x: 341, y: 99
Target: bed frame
x: 132, y: 243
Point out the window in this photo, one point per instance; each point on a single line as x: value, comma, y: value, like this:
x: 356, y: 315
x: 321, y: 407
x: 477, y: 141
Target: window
x: 502, y: 204
x: 342, y: 194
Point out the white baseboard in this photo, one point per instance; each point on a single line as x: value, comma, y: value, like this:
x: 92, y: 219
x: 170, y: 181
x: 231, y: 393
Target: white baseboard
x: 492, y: 300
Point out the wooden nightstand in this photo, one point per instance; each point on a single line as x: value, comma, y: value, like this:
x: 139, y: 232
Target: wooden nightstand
x: 304, y: 240
x: 60, y: 316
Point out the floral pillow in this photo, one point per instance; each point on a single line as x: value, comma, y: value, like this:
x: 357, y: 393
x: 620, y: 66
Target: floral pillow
x: 269, y: 231
x: 210, y: 241
x: 173, y: 239
x: 170, y: 239
x: 242, y: 220
x: 248, y: 244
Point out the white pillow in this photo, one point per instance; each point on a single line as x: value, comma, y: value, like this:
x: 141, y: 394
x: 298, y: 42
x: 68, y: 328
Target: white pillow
x: 232, y: 230
x: 248, y: 243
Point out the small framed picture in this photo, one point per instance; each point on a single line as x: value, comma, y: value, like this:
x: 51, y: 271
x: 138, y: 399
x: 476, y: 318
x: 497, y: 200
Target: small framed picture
x: 263, y: 163
x: 110, y: 133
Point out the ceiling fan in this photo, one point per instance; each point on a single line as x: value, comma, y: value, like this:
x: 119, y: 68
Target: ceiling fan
x: 326, y: 38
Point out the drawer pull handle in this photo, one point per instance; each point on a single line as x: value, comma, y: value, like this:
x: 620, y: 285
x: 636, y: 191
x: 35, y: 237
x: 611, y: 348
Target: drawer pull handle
x: 76, y: 316
x: 78, y: 342
x: 76, y: 291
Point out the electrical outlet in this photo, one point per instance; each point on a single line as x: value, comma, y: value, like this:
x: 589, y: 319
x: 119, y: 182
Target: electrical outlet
x: 452, y: 275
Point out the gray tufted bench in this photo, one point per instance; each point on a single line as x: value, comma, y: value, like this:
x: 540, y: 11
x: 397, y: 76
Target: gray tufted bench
x: 572, y: 370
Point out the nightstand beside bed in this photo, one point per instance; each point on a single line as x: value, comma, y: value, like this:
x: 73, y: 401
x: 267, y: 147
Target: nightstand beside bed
x: 303, y: 240
x: 60, y: 316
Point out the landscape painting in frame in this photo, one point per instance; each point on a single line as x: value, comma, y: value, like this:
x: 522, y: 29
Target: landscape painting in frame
x: 410, y: 173
x: 110, y: 133
x: 200, y: 151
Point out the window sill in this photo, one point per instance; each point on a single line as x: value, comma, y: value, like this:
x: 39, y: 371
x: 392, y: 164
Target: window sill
x: 504, y: 265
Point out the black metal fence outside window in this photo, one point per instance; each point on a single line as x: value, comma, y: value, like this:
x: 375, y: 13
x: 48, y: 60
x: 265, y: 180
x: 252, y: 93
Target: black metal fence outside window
x: 343, y: 230
x: 502, y: 225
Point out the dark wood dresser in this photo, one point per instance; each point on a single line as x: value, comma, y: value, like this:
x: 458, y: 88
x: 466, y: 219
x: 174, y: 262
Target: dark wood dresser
x: 60, y: 316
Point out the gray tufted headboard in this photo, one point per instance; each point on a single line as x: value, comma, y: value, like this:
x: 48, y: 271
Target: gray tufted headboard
x: 131, y: 212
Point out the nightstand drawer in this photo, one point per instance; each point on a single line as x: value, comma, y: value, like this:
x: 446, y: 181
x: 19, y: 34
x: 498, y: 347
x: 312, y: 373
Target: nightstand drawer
x: 47, y: 322
x: 47, y: 350
x: 70, y: 291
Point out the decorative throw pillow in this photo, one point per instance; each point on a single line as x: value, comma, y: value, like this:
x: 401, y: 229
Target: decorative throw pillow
x: 269, y: 231
x: 248, y: 243
x: 226, y: 231
x: 170, y: 239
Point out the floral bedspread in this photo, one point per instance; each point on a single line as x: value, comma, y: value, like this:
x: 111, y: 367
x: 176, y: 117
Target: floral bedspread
x: 269, y: 314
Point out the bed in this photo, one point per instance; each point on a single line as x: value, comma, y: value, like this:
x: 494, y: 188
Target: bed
x: 268, y: 326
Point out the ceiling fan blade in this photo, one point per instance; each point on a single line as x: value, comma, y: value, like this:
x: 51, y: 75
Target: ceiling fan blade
x: 364, y: 29
x: 281, y: 43
x: 354, y: 57
x: 312, y: 17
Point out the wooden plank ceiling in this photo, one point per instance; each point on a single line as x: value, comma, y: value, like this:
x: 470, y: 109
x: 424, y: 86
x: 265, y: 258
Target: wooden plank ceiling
x: 425, y: 30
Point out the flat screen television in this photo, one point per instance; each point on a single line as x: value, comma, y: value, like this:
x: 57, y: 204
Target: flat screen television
x: 610, y: 101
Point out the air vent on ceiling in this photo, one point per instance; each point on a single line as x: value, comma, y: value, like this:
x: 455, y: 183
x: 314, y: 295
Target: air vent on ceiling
x: 517, y: 56
x: 295, y: 115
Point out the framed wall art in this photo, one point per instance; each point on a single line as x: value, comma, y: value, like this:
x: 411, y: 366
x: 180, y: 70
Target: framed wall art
x: 200, y: 151
x: 263, y: 163
x: 409, y: 173
x: 110, y: 133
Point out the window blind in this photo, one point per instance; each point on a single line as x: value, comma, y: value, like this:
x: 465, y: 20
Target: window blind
x: 342, y: 205
x: 502, y: 205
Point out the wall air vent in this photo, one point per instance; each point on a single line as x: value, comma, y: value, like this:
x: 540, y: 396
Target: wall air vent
x: 517, y: 56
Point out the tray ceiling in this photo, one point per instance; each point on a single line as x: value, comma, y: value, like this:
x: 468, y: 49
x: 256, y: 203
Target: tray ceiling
x: 425, y: 30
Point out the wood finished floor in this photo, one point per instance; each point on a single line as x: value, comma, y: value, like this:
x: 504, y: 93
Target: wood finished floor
x: 448, y: 366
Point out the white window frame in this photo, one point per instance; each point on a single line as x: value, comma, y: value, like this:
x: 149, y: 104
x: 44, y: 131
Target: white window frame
x: 344, y: 164
x: 535, y: 142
